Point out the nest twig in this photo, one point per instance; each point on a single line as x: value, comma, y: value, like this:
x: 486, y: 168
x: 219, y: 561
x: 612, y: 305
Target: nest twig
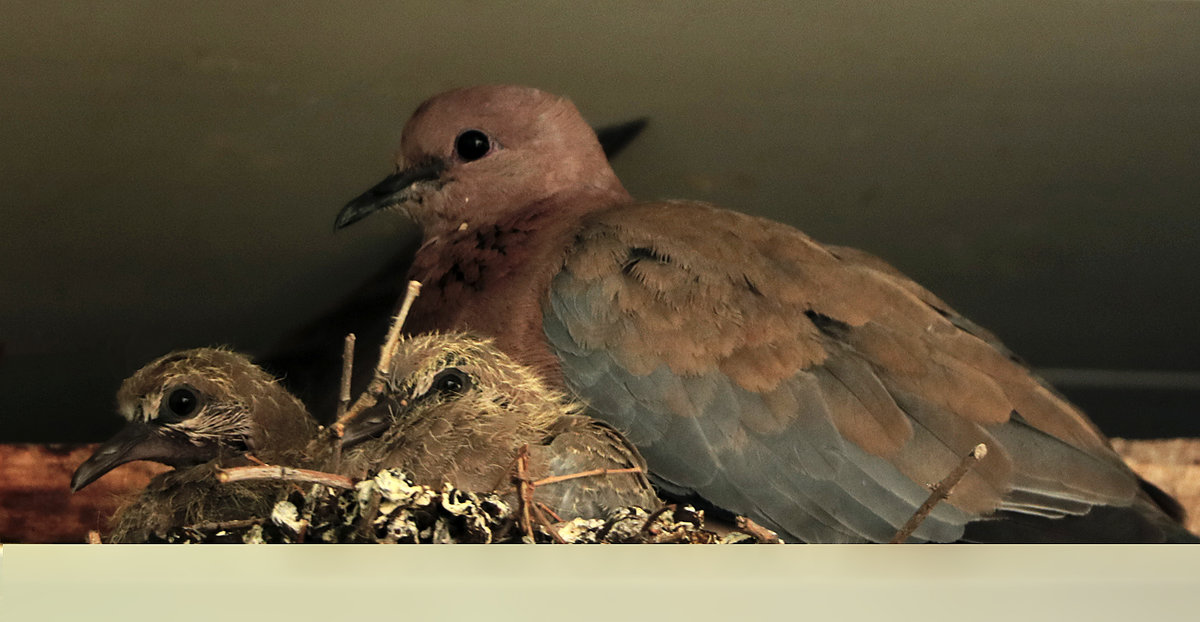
x: 383, y: 368
x: 761, y: 534
x: 283, y: 473
x: 939, y: 492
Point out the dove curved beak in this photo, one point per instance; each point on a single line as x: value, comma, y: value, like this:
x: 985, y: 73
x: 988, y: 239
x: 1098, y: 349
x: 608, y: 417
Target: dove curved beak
x: 138, y: 441
x: 387, y: 193
x: 364, y: 428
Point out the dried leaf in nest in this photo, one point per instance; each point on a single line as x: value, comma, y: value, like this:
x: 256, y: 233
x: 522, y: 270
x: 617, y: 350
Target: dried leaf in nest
x: 389, y: 508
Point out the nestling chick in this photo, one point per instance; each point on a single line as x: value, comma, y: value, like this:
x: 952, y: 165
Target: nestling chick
x: 192, y: 406
x: 458, y: 410
x: 200, y: 410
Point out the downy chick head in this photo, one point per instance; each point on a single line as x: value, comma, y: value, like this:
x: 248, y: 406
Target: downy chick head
x: 191, y: 406
x: 466, y: 384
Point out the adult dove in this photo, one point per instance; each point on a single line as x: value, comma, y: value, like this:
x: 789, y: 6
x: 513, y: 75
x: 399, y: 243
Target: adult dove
x: 306, y: 358
x: 812, y: 388
x: 459, y: 411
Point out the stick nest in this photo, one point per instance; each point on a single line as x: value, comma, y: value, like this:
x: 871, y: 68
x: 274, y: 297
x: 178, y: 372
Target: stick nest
x: 389, y: 508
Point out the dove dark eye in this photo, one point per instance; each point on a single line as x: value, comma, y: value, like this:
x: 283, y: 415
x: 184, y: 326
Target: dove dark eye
x: 451, y: 382
x: 472, y: 145
x: 182, y: 402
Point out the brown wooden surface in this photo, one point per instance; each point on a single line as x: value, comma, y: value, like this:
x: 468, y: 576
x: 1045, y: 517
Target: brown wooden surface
x: 36, y: 504
x: 1171, y: 464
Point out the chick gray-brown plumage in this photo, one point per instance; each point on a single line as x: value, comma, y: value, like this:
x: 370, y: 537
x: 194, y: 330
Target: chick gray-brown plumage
x: 200, y: 410
x: 458, y: 411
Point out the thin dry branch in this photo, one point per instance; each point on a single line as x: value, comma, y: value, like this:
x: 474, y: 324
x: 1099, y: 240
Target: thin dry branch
x: 940, y: 492
x: 546, y: 524
x: 253, y: 458
x: 649, y: 524
x: 383, y: 368
x: 225, y: 525
x: 554, y: 479
x: 530, y: 510
x: 551, y: 513
x: 310, y: 505
x: 347, y: 372
x: 393, y: 338
x: 343, y: 397
x: 758, y: 532
x: 287, y: 474
x: 524, y: 491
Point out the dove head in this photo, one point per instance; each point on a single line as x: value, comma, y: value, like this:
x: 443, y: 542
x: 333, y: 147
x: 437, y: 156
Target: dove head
x: 466, y: 382
x: 483, y: 154
x: 188, y: 407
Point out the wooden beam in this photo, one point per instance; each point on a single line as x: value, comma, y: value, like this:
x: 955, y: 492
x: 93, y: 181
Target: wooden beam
x: 36, y: 504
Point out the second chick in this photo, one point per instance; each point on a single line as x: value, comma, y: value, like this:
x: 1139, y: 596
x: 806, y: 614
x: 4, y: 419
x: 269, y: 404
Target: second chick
x: 457, y: 410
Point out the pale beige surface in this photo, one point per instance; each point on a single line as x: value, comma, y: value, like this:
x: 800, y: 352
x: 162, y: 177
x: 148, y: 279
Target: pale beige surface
x: 982, y: 583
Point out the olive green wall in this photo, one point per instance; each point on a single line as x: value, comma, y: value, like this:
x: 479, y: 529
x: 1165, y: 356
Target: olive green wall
x: 171, y: 170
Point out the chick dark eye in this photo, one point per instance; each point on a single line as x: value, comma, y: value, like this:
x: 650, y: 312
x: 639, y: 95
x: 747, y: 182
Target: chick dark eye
x: 472, y: 145
x: 451, y: 382
x: 182, y: 402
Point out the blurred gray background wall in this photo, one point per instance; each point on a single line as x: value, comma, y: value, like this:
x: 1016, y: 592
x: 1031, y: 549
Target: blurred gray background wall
x: 171, y: 171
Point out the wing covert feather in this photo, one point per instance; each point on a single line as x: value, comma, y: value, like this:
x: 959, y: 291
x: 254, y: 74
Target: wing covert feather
x: 813, y: 388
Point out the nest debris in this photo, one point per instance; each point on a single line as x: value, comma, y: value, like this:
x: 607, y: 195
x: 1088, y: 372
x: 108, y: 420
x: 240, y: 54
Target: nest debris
x: 390, y: 508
